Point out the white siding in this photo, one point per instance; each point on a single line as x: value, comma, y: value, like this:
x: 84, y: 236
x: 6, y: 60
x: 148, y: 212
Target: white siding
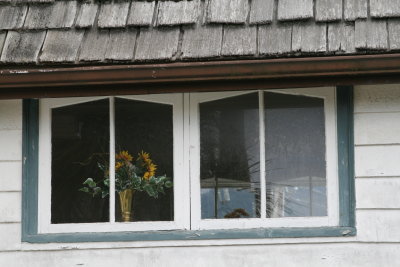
x: 377, y: 159
x: 368, y: 128
x: 377, y: 164
x: 377, y: 98
x: 310, y: 255
x: 10, y: 176
x: 10, y: 144
x: 378, y: 226
x: 378, y: 193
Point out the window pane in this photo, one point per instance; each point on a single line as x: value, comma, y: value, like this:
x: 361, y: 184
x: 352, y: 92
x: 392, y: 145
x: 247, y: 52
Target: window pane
x: 148, y: 127
x: 295, y: 155
x: 229, y: 160
x: 80, y: 139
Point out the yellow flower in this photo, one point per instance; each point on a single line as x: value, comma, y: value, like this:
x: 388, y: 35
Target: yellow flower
x: 146, y: 175
x: 145, y: 156
x: 124, y: 155
x: 151, y: 167
x: 118, y: 165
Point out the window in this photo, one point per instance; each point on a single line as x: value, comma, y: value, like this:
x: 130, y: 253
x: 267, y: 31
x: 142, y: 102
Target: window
x: 239, y: 162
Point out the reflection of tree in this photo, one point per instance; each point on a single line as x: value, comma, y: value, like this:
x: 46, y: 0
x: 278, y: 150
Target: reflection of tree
x: 226, y: 152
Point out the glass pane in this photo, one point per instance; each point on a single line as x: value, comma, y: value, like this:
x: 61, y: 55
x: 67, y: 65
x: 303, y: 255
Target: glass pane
x: 230, y: 155
x: 144, y: 127
x: 295, y: 155
x: 80, y: 139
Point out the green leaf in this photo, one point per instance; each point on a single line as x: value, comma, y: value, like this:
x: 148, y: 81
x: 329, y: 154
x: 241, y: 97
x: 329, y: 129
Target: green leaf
x: 168, y: 184
x: 84, y: 189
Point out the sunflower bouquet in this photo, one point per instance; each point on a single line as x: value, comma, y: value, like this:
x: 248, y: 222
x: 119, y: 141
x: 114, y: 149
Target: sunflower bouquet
x: 134, y: 174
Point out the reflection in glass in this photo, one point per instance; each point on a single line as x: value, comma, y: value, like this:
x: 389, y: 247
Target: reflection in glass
x: 229, y: 157
x: 148, y: 127
x: 295, y: 155
x: 80, y: 139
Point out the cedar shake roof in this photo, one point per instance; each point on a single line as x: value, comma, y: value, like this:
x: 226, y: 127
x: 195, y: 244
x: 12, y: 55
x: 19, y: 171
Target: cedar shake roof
x: 76, y: 32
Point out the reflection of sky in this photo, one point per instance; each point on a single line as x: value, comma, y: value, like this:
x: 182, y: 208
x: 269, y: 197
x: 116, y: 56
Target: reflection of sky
x: 297, y: 201
x: 229, y: 199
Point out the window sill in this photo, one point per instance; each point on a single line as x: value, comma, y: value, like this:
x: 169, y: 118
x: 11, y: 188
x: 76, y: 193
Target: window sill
x: 258, y: 233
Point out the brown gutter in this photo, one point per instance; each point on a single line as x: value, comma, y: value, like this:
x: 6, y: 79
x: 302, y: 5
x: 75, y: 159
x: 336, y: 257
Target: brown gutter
x: 152, y: 76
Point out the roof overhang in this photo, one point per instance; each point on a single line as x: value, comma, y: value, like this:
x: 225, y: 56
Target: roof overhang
x: 35, y: 82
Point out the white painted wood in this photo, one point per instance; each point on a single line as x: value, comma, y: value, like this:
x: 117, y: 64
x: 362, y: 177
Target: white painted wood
x: 10, y: 114
x: 328, y: 94
x: 11, y: 176
x: 377, y: 98
x: 378, y: 193
x: 378, y: 225
x: 377, y: 128
x: 310, y: 255
x: 10, y: 207
x: 262, y: 126
x: 111, y: 166
x: 10, y: 144
x: 377, y: 160
x: 10, y: 236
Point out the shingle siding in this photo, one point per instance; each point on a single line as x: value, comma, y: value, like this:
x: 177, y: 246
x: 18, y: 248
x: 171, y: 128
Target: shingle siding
x: 176, y: 30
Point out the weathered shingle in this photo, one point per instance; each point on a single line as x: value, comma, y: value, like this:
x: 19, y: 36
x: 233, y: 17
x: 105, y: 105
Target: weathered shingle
x: 86, y: 15
x: 60, y: 46
x: 12, y: 17
x: 239, y: 40
x: 22, y: 47
x: 95, y: 45
x: 202, y: 42
x: 157, y: 44
x: 394, y: 34
x: 141, y: 13
x: 34, y: 1
x: 309, y: 37
x: 295, y: 9
x: 228, y: 11
x: 60, y: 14
x: 2, y: 40
x: 355, y: 9
x: 122, y: 44
x: 275, y: 39
x: 262, y: 11
x: 178, y: 13
x: 113, y: 15
x: 371, y: 35
x: 386, y: 8
x: 341, y: 38
x: 328, y: 10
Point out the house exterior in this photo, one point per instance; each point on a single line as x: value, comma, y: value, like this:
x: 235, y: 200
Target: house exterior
x: 276, y: 121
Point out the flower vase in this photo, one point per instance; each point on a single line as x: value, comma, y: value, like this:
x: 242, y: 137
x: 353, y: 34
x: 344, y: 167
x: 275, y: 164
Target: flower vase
x: 125, y: 200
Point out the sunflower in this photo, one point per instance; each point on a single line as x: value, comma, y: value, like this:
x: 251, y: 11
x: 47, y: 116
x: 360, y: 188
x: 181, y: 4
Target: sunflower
x: 118, y: 165
x: 124, y: 155
x: 144, y: 156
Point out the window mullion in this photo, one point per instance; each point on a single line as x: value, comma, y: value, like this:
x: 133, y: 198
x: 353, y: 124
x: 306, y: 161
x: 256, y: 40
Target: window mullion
x: 112, y: 160
x: 262, y: 155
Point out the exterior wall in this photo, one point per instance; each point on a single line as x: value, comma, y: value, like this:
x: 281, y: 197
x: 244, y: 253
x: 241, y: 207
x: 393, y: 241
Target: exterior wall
x: 377, y: 151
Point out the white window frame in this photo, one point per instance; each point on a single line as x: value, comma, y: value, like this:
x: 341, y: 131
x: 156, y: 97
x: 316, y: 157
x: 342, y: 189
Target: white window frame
x: 187, y: 201
x: 181, y: 185
x: 332, y: 219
